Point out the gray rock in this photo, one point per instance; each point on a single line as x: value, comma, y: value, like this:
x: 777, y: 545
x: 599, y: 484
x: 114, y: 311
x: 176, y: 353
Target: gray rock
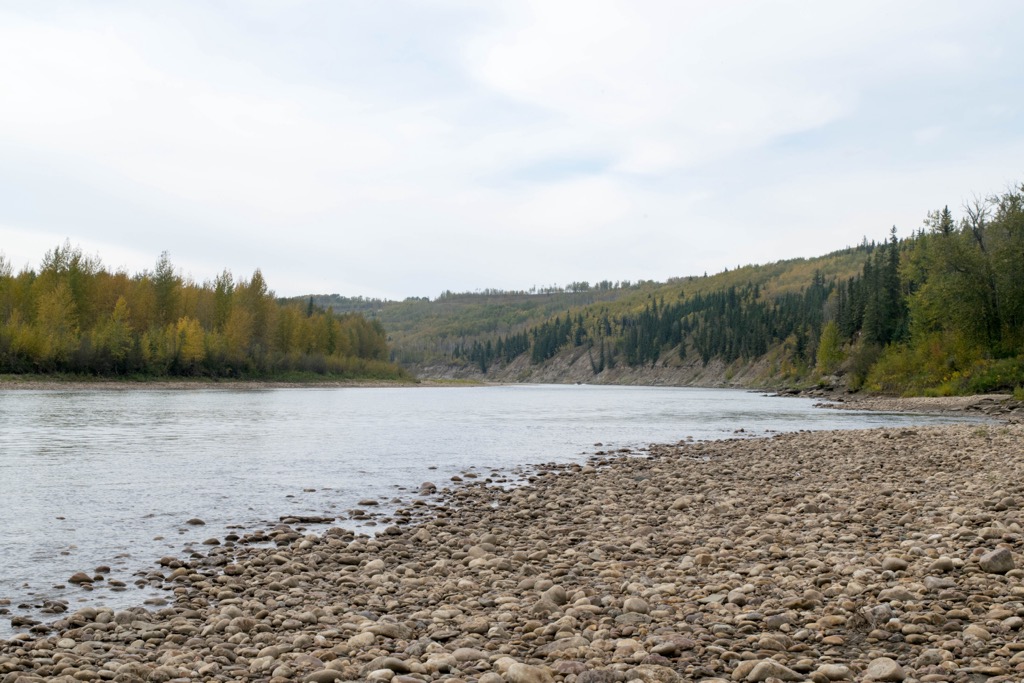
x: 563, y: 644
x: 877, y: 615
x: 999, y: 561
x: 469, y: 654
x: 835, y: 672
x: 392, y: 663
x: 636, y: 605
x: 390, y: 629
x: 937, y: 583
x: 894, y: 564
x: 556, y: 594
x: 525, y: 673
x: 896, y: 593
x: 884, y: 669
x: 769, y: 668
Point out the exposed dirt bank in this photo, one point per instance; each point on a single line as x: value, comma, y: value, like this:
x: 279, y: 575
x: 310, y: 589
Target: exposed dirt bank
x: 871, y: 555
x: 574, y: 366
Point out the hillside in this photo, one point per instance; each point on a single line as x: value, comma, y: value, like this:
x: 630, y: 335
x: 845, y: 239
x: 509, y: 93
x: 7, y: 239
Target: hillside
x: 447, y: 337
x: 425, y: 332
x: 597, y: 342
x: 940, y: 311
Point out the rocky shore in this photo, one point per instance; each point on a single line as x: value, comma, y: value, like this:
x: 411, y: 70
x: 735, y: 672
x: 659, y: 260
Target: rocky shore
x: 1000, y: 406
x: 881, y: 555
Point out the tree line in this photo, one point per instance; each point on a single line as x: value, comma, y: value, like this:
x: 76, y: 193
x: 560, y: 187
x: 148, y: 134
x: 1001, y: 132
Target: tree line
x: 576, y: 287
x: 940, y: 311
x: 943, y: 311
x: 731, y: 324
x: 73, y: 315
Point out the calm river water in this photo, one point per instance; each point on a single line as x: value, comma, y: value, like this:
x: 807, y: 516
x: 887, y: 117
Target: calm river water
x: 104, y: 477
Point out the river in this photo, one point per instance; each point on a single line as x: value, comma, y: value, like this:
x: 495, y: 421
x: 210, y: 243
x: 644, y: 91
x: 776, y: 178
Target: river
x: 111, y: 477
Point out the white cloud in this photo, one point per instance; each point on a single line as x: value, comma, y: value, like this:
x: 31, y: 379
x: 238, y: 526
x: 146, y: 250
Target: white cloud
x: 665, y: 86
x: 568, y: 209
x: 32, y: 244
x: 280, y: 152
x: 413, y: 148
x: 929, y: 134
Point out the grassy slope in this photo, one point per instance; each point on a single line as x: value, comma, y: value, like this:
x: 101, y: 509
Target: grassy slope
x: 422, y: 332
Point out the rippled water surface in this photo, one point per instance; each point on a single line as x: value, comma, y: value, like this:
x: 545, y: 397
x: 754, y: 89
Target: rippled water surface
x: 103, y: 477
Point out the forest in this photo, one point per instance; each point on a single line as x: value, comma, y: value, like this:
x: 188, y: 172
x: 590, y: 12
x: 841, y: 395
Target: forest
x: 74, y: 316
x: 940, y: 311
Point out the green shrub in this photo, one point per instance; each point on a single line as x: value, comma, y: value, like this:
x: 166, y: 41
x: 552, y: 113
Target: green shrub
x: 1005, y: 374
x: 859, y: 364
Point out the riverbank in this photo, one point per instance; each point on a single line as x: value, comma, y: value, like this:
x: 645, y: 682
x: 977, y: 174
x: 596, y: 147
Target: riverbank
x: 1001, y: 406
x: 46, y: 383
x: 892, y: 554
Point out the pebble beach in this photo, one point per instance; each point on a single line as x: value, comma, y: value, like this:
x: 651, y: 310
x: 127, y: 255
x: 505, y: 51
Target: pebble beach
x: 884, y: 555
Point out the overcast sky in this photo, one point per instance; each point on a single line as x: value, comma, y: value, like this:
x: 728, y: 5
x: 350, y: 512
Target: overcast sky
x: 404, y: 148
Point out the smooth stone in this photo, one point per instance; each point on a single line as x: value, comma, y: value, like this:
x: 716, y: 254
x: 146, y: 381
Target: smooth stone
x: 937, y: 583
x: 835, y: 672
x: 636, y: 605
x: 566, y: 667
x: 894, y: 564
x: 769, y: 668
x: 468, y: 654
x: 896, y: 593
x: 998, y: 561
x: 884, y: 669
x: 525, y: 673
x: 556, y: 594
x: 390, y: 629
x: 362, y: 640
x: 976, y: 632
x: 392, y: 663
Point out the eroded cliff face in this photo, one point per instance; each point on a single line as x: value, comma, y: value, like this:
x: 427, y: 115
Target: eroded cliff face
x: 574, y: 366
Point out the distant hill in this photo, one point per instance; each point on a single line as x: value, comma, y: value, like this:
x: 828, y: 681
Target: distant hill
x: 449, y: 336
x: 424, y: 331
x: 938, y: 312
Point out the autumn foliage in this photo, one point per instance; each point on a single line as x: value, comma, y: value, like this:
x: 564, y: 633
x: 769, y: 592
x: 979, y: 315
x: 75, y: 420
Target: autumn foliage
x: 76, y: 316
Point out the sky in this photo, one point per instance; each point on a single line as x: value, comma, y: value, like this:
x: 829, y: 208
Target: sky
x: 404, y: 148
